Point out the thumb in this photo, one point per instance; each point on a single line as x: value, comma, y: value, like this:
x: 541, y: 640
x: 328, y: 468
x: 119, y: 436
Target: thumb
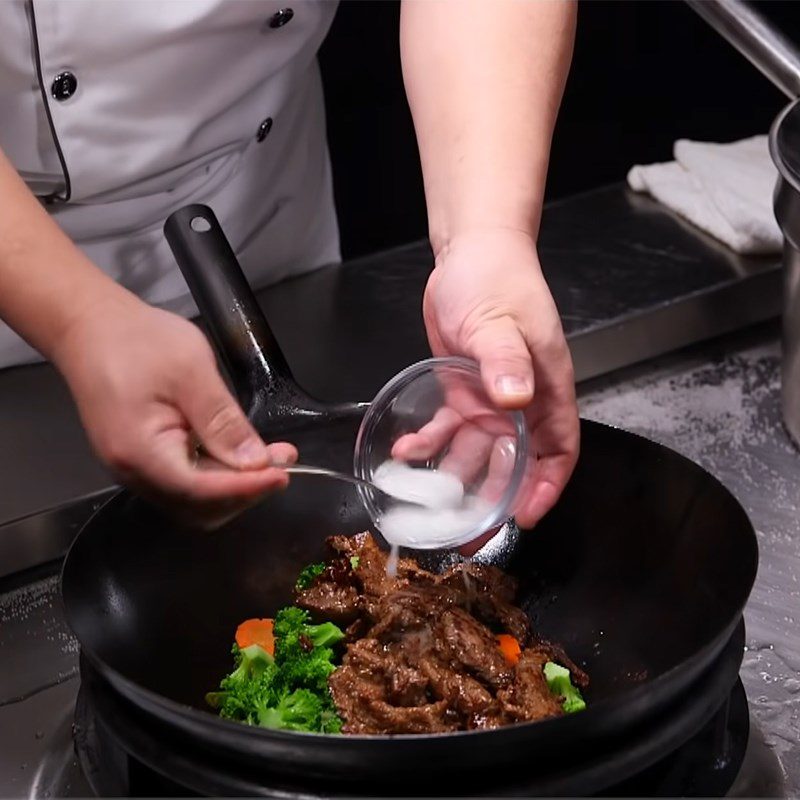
x: 505, y: 362
x: 219, y: 422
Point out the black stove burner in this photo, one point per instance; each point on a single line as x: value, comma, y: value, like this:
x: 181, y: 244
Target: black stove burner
x: 123, y: 754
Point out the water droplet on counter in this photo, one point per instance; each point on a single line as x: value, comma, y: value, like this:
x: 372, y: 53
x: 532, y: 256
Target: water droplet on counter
x: 792, y: 685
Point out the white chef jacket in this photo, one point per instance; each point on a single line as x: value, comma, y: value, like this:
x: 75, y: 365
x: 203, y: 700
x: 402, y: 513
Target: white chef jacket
x: 155, y: 104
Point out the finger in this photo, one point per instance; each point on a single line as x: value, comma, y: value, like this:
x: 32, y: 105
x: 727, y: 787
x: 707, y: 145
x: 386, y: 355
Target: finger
x: 281, y: 454
x: 468, y: 454
x: 550, y: 477
x: 557, y: 442
x: 554, y: 428
x: 219, y: 422
x: 430, y: 439
x: 211, y: 513
x: 505, y: 362
x: 501, y: 467
x: 166, y: 468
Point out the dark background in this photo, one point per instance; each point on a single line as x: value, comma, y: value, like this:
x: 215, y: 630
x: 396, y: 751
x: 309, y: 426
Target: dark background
x: 644, y: 73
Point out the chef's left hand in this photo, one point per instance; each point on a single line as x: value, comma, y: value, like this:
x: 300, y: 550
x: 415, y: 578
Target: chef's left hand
x: 487, y: 299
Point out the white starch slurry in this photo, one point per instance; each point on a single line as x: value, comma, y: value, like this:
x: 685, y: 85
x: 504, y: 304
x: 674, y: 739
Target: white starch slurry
x: 428, y: 487
x: 442, y: 515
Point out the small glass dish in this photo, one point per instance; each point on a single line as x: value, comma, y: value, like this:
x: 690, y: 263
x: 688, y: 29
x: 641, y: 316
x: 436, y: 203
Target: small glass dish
x: 436, y: 416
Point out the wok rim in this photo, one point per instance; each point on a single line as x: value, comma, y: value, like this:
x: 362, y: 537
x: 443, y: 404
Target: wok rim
x: 186, y: 714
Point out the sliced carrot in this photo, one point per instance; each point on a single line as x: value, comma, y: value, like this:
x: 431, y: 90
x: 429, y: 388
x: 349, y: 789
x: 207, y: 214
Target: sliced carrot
x: 256, y: 631
x: 509, y: 647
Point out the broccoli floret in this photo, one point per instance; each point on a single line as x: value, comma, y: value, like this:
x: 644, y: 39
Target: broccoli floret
x: 308, y: 576
x: 308, y: 671
x: 303, y: 651
x: 289, y: 619
x: 325, y: 634
x: 300, y: 710
x: 250, y: 662
x: 330, y: 721
x: 295, y: 638
x: 250, y: 683
x: 354, y: 562
x: 289, y: 624
x: 244, y: 702
x: 559, y: 683
x: 289, y: 691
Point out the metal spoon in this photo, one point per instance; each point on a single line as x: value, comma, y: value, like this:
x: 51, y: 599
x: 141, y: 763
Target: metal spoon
x: 305, y: 469
x: 202, y: 460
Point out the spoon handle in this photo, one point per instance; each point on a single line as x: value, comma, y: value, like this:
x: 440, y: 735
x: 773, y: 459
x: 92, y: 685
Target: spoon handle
x: 305, y: 469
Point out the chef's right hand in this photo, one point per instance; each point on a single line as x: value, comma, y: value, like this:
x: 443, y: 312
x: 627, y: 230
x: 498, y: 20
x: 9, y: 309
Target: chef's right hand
x: 147, y: 389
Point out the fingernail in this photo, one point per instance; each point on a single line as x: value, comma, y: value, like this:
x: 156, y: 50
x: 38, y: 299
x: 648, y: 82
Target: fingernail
x: 512, y: 385
x: 250, y: 451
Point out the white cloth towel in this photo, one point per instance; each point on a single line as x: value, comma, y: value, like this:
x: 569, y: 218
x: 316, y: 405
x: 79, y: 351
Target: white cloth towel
x: 724, y: 189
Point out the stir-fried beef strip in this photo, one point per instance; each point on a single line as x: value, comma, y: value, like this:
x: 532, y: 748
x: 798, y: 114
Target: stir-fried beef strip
x: 483, y: 579
x: 333, y: 602
x: 469, y: 646
x: 527, y: 696
x: 555, y: 652
x: 422, y: 654
x: 363, y: 693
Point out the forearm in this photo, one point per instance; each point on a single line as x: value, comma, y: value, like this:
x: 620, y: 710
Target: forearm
x: 484, y: 84
x: 46, y: 282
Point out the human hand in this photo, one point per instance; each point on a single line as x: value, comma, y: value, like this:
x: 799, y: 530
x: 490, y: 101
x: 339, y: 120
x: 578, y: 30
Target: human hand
x: 487, y: 299
x: 148, y: 390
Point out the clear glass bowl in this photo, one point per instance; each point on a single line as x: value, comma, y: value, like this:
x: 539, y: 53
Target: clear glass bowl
x: 435, y: 415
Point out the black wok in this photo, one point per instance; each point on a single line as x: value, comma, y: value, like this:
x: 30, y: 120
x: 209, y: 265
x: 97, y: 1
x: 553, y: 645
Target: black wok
x: 641, y: 571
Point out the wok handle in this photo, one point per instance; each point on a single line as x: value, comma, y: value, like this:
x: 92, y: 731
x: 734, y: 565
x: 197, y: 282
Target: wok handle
x: 237, y: 328
x: 756, y: 38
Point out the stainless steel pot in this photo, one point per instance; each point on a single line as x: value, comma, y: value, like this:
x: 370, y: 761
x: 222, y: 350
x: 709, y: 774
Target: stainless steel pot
x: 778, y: 58
x: 784, y: 142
